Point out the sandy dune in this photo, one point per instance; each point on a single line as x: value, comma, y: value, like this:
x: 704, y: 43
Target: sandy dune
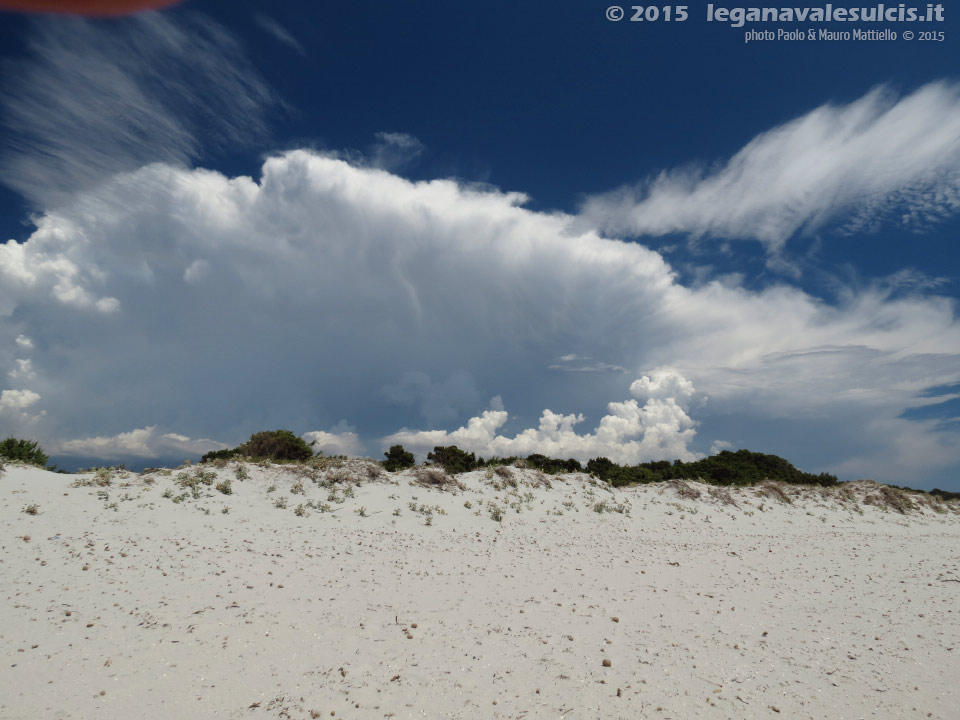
x: 582, y: 602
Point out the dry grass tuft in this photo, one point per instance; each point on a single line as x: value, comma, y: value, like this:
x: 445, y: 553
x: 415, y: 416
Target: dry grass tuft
x: 890, y: 497
x: 103, y: 477
x: 356, y: 472
x: 373, y: 471
x: 723, y: 495
x: 541, y: 479
x: 776, y: 491
x: 846, y: 494
x: 684, y: 490
x: 431, y: 477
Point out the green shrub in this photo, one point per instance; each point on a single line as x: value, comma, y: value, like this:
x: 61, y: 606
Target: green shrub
x: 552, y: 466
x: 397, y: 459
x: 218, y: 455
x: 25, y: 451
x: 620, y: 475
x: 278, y: 445
x: 725, y: 468
x: 453, y: 459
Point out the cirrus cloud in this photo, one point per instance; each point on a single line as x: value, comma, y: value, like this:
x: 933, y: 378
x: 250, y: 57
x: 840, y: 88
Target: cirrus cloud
x: 867, y: 159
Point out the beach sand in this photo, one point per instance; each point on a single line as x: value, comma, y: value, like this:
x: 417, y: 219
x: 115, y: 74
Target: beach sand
x: 581, y: 602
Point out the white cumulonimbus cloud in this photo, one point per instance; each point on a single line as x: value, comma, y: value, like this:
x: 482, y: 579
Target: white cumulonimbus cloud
x: 214, y: 307
x: 863, y: 159
x: 659, y: 429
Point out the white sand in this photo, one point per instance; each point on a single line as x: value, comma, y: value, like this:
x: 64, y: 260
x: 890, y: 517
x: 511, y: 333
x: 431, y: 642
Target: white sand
x: 154, y: 609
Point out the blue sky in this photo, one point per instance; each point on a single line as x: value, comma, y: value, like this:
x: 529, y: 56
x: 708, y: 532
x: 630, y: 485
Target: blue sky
x: 519, y: 227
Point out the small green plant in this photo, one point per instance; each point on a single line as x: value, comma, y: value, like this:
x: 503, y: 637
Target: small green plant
x: 31, y: 509
x: 241, y: 472
x: 496, y: 512
x: 272, y: 488
x: 299, y: 511
x: 468, y: 504
x: 361, y: 511
x: 281, y: 503
x: 297, y: 488
x: 225, y: 510
x: 225, y: 487
x: 396, y: 512
x: 168, y: 493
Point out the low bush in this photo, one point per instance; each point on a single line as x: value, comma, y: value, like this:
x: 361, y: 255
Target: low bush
x: 397, y: 459
x: 553, y: 466
x: 742, y: 467
x: 265, y: 446
x: 215, y: 455
x: 25, y: 451
x: 279, y: 445
x: 453, y: 459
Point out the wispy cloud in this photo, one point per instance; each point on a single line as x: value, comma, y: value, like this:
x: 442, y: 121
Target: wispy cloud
x: 279, y: 32
x: 881, y: 156
x: 575, y: 363
x: 394, y: 151
x: 92, y: 98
